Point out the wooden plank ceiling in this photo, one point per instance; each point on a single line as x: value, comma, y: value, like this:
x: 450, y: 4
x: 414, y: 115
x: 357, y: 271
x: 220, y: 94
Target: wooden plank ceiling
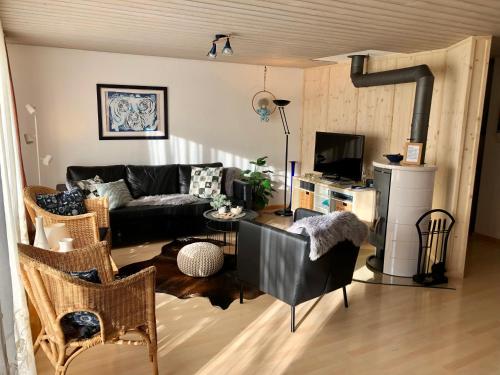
x: 273, y: 32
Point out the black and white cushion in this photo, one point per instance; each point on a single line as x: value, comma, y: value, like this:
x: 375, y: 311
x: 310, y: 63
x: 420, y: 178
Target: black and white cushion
x: 89, y: 186
x: 205, y: 181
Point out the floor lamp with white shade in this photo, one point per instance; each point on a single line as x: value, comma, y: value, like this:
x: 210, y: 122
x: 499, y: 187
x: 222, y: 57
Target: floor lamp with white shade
x: 47, y: 159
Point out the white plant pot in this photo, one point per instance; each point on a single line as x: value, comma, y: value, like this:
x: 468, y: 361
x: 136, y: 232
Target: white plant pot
x: 55, y: 233
x: 40, y: 237
x: 222, y: 210
x: 65, y: 245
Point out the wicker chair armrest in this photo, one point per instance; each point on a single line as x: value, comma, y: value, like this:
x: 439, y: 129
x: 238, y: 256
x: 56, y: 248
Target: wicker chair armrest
x: 62, y: 218
x: 101, y: 207
x: 82, y: 259
x: 120, y: 306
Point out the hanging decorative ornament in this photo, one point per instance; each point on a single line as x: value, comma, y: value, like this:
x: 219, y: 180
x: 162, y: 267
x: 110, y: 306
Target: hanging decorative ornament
x: 262, y: 102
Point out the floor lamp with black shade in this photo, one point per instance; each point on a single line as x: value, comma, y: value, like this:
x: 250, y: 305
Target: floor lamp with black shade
x: 281, y: 104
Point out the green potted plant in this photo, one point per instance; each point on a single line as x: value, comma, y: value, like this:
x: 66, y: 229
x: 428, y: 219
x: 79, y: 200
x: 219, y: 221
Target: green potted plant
x: 220, y: 202
x: 259, y: 177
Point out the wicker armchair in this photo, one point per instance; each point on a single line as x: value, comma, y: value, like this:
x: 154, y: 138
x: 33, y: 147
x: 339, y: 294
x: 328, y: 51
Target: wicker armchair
x: 122, y: 306
x: 84, y: 229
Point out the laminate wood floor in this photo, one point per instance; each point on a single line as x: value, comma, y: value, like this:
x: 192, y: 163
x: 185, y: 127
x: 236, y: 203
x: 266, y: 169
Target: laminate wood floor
x: 385, y: 330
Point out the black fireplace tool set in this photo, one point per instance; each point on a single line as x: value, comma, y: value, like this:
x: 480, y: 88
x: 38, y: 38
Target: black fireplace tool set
x: 433, y: 229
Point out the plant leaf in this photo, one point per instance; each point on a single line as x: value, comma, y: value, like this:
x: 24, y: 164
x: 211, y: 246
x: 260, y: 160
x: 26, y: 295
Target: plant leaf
x: 266, y: 184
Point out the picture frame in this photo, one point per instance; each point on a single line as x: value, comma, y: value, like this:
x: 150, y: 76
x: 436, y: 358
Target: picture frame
x: 413, y: 153
x: 132, y: 112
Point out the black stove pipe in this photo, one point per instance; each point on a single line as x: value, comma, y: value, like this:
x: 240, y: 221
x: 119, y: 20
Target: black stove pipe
x: 421, y: 74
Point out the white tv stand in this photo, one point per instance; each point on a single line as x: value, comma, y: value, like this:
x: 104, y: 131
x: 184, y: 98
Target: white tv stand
x: 318, y: 194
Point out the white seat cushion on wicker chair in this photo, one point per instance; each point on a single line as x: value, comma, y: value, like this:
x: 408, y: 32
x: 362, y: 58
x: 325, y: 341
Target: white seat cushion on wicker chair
x: 200, y: 259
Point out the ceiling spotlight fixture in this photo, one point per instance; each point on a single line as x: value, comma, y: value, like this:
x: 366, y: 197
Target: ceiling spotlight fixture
x: 213, y: 51
x: 227, y: 50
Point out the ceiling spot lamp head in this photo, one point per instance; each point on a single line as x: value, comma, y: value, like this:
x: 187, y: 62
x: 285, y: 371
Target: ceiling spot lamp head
x: 227, y: 50
x: 213, y: 51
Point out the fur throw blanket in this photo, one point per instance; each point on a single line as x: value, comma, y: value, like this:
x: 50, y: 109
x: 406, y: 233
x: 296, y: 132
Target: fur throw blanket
x: 164, y: 199
x: 326, y: 231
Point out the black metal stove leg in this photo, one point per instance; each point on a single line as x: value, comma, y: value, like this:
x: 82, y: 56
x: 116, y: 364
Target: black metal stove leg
x: 292, y: 318
x: 346, y: 303
x: 241, y: 292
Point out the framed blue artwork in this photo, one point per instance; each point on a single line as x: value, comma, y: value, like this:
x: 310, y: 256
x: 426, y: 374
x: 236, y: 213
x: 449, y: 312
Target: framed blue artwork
x: 132, y: 112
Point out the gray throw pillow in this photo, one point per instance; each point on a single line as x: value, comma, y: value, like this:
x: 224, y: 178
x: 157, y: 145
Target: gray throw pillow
x: 205, y: 181
x: 117, y: 193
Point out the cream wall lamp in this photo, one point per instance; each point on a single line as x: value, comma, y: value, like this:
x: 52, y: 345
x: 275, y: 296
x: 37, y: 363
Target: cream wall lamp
x: 47, y: 159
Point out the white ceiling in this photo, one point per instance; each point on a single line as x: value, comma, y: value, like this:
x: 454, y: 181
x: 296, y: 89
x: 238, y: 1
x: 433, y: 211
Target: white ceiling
x: 273, y: 32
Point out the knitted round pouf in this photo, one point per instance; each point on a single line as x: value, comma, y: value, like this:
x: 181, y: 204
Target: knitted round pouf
x: 200, y: 259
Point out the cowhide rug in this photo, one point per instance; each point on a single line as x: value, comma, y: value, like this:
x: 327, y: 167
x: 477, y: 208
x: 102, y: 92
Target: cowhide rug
x: 221, y: 289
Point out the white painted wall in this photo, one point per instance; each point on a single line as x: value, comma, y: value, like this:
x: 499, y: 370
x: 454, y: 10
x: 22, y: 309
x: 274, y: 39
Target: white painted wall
x: 210, y: 113
x: 488, y: 210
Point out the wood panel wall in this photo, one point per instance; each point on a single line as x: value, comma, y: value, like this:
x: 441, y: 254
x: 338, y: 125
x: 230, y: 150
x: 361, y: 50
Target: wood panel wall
x: 383, y: 114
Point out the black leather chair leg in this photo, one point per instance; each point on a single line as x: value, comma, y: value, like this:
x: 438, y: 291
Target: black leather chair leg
x: 292, y: 318
x: 241, y: 292
x: 346, y: 303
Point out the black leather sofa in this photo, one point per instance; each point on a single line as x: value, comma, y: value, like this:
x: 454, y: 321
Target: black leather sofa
x: 143, y: 223
x: 277, y: 263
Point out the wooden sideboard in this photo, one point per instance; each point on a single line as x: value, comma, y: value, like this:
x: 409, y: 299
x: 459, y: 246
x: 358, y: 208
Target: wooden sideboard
x: 325, y: 196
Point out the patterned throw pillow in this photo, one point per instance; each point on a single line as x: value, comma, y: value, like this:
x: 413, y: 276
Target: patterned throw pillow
x: 92, y: 276
x: 81, y: 324
x: 117, y: 193
x: 88, y: 186
x: 65, y: 203
x: 205, y: 181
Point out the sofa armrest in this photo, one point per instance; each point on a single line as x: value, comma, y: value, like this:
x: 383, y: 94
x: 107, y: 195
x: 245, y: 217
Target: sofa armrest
x: 242, y: 193
x: 272, y: 259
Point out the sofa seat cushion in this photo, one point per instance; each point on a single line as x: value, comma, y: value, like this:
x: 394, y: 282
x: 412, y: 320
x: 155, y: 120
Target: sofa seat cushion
x: 185, y: 175
x: 124, y: 214
x: 144, y: 180
x: 107, y: 173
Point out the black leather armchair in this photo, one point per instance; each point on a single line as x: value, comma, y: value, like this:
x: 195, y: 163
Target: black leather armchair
x: 277, y: 262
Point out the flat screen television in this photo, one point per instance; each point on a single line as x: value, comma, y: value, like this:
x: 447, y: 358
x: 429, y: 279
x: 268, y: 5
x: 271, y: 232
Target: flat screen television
x: 339, y: 156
